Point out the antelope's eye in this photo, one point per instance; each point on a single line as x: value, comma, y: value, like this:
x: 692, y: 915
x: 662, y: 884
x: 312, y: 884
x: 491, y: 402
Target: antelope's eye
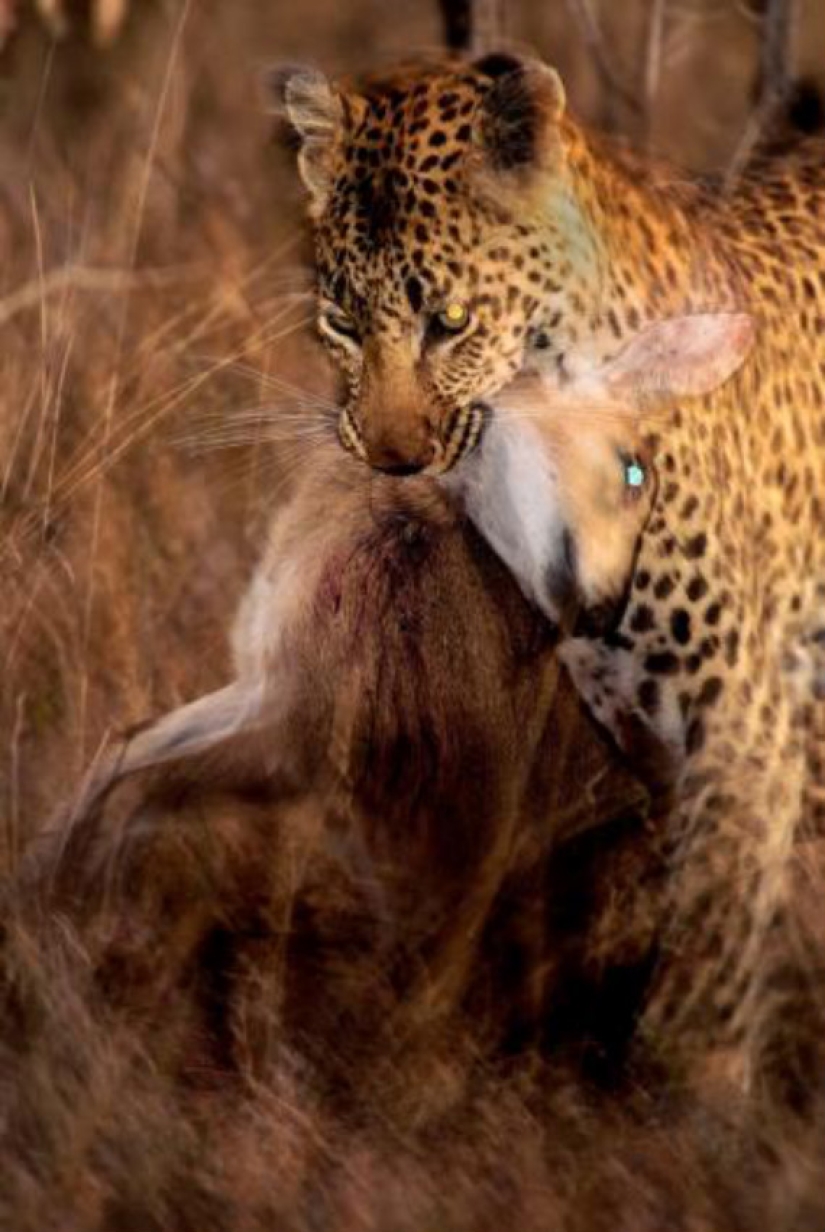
x: 634, y: 473
x: 335, y: 321
x: 453, y: 317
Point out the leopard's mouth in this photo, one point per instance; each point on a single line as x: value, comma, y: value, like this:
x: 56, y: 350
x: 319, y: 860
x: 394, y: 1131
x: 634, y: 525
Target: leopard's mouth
x: 464, y: 431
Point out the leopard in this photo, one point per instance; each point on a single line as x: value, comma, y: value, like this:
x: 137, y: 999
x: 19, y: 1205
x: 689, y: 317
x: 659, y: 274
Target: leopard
x: 491, y: 271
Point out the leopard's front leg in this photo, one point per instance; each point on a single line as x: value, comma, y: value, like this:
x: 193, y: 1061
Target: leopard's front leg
x: 734, y: 851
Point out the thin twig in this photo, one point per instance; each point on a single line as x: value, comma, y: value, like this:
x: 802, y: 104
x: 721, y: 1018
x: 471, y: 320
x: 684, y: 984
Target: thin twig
x: 473, y: 27
x: 457, y: 21
x: 81, y: 278
x: 780, y: 20
x: 585, y: 18
x: 487, y: 26
x: 654, y: 39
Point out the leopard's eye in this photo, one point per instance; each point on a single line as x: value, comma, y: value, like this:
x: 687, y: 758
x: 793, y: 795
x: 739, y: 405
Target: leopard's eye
x: 338, y: 323
x: 453, y: 318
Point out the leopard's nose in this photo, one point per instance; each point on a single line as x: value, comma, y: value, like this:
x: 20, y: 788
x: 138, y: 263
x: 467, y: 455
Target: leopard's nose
x: 392, y: 461
x: 401, y: 469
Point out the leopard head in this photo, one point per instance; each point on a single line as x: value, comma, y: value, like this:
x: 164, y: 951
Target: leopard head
x: 431, y: 240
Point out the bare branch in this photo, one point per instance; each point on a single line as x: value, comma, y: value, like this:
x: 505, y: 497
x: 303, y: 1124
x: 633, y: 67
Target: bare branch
x: 585, y: 18
x: 488, y: 25
x: 456, y: 18
x: 654, y: 38
x: 777, y: 43
x: 750, y: 139
x: 473, y: 26
x: 780, y: 22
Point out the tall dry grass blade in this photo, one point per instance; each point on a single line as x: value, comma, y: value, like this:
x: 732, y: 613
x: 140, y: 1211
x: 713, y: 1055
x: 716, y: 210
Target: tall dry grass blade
x: 137, y: 229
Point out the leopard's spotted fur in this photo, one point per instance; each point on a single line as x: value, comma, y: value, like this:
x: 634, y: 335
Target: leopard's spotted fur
x: 472, y: 184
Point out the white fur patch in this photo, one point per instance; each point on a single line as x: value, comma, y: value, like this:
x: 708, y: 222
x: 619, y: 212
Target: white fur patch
x: 509, y: 488
x: 267, y: 611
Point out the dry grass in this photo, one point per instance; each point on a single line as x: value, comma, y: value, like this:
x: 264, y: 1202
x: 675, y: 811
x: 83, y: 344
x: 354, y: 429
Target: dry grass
x: 218, y: 1023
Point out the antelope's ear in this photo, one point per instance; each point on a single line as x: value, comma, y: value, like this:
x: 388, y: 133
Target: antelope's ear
x: 682, y: 356
x: 518, y: 126
x: 315, y: 113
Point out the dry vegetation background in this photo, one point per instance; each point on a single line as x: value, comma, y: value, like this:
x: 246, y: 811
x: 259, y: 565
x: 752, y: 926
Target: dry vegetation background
x: 153, y: 302
x: 152, y: 274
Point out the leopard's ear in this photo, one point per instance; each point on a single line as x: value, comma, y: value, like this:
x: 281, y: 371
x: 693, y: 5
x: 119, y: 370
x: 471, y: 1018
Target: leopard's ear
x: 684, y: 356
x: 518, y: 126
x: 316, y: 114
